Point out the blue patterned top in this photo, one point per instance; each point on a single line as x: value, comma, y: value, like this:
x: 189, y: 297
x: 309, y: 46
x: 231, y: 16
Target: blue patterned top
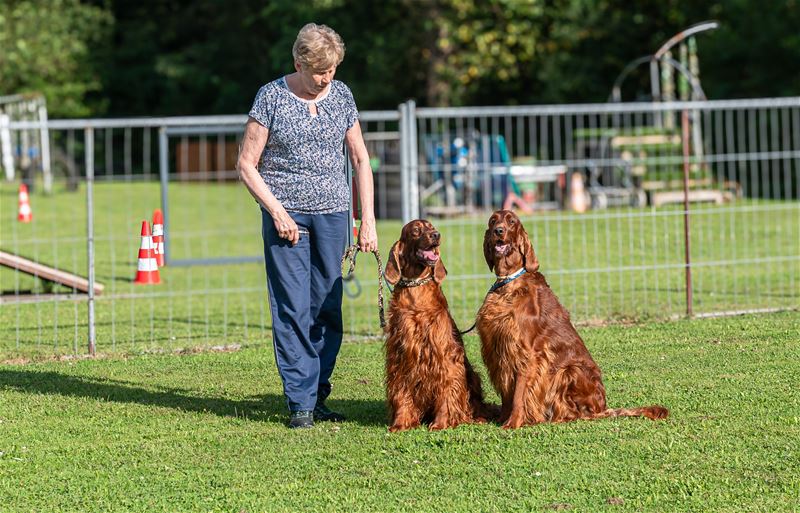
x: 303, y: 160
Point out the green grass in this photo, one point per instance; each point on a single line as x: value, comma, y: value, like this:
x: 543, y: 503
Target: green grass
x: 205, y: 432
x: 619, y: 264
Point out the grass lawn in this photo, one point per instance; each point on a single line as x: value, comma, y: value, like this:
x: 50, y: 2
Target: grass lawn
x: 205, y: 432
x: 613, y: 264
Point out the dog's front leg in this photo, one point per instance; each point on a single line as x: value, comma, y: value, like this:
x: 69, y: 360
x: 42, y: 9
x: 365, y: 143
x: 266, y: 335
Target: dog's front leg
x: 405, y: 413
x: 524, y: 410
x: 516, y: 415
x: 452, y: 405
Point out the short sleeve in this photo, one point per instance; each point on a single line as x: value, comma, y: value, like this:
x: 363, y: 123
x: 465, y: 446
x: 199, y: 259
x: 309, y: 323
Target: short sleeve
x: 351, y: 111
x: 262, y: 109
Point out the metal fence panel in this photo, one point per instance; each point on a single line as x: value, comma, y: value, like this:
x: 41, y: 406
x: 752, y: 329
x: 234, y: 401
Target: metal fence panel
x: 623, y: 258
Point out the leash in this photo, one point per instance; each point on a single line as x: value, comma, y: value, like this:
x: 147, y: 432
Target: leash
x: 501, y: 280
x: 350, y: 254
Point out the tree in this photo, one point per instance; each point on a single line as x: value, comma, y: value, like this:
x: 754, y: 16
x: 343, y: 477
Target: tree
x: 47, y: 47
x: 467, y: 42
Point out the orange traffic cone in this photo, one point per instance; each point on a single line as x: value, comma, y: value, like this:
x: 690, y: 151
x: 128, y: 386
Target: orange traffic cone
x: 25, y: 214
x: 158, y: 236
x: 147, y: 268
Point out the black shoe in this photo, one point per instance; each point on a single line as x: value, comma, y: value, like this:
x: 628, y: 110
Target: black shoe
x: 323, y: 413
x: 301, y: 420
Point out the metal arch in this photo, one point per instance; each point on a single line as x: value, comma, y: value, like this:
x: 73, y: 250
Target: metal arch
x: 680, y: 36
x: 616, y: 94
x: 655, y: 87
x: 696, y: 88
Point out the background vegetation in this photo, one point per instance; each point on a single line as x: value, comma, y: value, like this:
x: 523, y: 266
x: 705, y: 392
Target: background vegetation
x: 192, y: 57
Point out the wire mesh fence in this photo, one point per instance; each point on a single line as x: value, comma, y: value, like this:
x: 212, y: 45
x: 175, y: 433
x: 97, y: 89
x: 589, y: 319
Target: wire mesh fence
x: 600, y: 190
x: 636, y: 211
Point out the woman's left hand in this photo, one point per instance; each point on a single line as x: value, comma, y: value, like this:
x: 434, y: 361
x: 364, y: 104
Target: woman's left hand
x: 367, y: 236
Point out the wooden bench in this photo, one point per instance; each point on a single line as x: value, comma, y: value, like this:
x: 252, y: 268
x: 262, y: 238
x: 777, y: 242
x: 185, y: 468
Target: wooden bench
x: 701, y: 195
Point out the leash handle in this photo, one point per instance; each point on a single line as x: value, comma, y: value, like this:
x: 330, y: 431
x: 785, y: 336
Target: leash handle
x: 350, y: 253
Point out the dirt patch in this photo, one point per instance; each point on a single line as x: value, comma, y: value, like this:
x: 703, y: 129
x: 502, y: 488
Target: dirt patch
x: 228, y: 348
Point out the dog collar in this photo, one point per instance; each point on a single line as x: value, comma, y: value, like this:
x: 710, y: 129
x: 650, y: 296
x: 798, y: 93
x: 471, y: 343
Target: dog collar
x: 413, y: 283
x: 502, y: 280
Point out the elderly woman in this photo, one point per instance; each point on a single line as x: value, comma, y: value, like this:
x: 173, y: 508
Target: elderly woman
x: 297, y: 129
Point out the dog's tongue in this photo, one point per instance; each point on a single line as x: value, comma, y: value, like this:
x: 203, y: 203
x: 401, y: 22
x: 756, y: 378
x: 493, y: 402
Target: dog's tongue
x: 501, y: 248
x: 429, y: 255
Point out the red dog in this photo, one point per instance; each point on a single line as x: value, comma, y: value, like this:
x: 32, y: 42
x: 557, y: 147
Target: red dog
x: 536, y: 360
x: 428, y: 376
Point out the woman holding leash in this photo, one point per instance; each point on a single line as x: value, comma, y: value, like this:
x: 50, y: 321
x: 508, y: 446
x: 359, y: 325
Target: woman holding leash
x: 296, y: 129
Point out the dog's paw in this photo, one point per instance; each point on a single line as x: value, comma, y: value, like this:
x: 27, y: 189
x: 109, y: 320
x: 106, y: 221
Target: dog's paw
x: 438, y: 426
x: 513, y: 423
x: 394, y: 428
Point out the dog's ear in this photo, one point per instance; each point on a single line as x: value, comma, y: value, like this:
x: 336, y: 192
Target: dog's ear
x: 439, y: 271
x: 394, y: 265
x: 488, y: 249
x: 530, y: 262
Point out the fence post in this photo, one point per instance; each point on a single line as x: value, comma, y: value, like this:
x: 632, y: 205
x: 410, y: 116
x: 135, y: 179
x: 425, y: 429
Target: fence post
x: 6, y: 156
x: 409, y: 166
x: 163, y: 170
x: 686, y: 231
x: 405, y: 209
x: 413, y: 159
x: 89, y: 144
x: 44, y: 136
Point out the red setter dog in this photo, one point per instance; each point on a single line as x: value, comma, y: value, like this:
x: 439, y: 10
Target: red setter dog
x: 537, y: 362
x: 428, y: 376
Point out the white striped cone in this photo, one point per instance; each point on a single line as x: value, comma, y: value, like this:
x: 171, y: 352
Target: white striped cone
x: 158, y: 237
x: 25, y: 214
x: 147, y: 267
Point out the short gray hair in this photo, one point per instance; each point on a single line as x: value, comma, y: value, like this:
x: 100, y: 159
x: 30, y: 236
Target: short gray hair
x: 318, y: 47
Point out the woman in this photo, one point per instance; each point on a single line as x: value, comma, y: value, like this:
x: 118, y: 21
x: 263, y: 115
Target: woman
x: 297, y: 128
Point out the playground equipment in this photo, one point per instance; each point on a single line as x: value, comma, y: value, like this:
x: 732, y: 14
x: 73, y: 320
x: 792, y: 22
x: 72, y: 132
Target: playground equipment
x: 629, y: 174
x: 28, y: 149
x: 477, y: 172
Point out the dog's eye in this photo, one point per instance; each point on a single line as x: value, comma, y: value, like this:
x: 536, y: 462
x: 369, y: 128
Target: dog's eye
x: 511, y: 221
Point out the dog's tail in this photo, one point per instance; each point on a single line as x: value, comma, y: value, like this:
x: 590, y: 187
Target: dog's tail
x: 654, y: 412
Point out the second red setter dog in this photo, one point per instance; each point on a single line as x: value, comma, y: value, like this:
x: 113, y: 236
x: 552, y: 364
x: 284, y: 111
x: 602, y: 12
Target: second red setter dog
x: 537, y: 362
x: 428, y: 376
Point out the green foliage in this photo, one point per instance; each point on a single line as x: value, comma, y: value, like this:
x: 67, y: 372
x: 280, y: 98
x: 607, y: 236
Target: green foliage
x: 469, y: 42
x: 587, y: 43
x: 49, y: 47
x: 185, y: 57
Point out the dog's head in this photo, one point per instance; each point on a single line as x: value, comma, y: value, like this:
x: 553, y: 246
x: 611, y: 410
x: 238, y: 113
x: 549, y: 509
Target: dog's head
x: 415, y: 254
x: 506, y: 246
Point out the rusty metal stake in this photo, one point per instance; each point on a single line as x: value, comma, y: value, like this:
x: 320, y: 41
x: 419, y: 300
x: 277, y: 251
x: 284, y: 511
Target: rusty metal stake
x: 686, y: 237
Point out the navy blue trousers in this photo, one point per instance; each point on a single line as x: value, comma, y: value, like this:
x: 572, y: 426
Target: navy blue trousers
x: 305, y: 298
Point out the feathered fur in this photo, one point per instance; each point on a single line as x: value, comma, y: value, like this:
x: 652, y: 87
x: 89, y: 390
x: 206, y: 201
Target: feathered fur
x: 428, y: 376
x: 536, y: 360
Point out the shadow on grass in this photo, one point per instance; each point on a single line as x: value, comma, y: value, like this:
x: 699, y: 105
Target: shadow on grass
x: 269, y: 407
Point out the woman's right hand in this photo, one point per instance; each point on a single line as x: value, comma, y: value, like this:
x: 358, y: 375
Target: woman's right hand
x: 285, y: 225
